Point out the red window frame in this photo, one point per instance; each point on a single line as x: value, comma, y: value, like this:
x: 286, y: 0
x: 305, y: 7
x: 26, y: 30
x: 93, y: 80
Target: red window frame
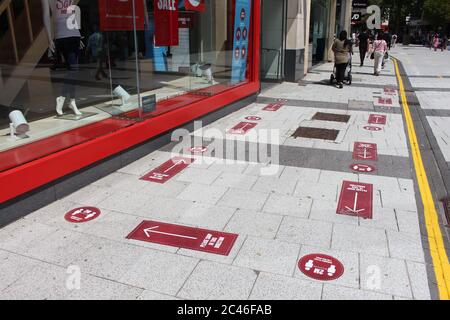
x: 32, y: 175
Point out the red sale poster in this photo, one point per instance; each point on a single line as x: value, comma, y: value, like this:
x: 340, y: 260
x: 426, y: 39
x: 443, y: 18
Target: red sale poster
x: 195, y: 5
x: 117, y: 15
x: 166, y: 23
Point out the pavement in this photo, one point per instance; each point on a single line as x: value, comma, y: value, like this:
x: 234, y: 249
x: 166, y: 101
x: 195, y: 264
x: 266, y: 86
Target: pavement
x: 262, y: 198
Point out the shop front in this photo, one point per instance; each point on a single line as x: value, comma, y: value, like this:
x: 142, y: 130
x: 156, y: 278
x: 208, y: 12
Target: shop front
x: 83, y: 81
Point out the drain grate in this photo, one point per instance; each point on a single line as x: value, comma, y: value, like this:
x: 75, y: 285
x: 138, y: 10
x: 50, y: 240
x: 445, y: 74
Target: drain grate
x: 316, y: 133
x: 323, y: 116
x: 446, y: 203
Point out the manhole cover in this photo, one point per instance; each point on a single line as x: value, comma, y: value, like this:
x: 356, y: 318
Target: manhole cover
x: 446, y: 203
x: 316, y: 133
x: 331, y: 117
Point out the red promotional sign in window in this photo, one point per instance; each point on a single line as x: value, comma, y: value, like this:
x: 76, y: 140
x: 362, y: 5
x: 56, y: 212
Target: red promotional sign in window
x: 166, y: 22
x: 195, y: 5
x: 117, y: 15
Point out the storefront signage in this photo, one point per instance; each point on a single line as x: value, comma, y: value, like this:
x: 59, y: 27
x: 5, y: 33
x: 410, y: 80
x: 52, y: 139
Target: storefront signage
x: 361, y: 4
x: 356, y: 200
x: 81, y: 215
x: 321, y: 267
x: 356, y: 17
x: 166, y: 22
x: 172, y: 235
x: 194, y: 5
x: 149, y: 103
x: 365, y: 151
x: 241, y: 41
x: 168, y: 170
x: 117, y: 15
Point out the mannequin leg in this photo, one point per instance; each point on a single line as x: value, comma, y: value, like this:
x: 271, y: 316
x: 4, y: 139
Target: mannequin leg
x: 60, y: 105
x: 73, y: 106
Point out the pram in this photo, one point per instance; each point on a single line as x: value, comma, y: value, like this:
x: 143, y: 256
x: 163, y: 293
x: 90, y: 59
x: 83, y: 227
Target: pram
x: 348, y: 73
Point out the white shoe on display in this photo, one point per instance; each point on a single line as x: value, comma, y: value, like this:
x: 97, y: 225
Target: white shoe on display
x: 74, y: 108
x: 59, y: 105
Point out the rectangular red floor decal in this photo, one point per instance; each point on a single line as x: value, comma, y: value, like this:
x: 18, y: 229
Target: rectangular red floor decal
x: 242, y: 128
x: 215, y: 242
x: 356, y: 200
x: 365, y: 151
x: 385, y: 101
x: 168, y: 170
x: 377, y: 119
x: 273, y: 107
x: 390, y: 91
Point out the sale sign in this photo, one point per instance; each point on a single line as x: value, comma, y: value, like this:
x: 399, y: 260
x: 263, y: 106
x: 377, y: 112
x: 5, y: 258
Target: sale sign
x: 194, y: 5
x: 215, y: 242
x: 117, y: 15
x: 166, y: 23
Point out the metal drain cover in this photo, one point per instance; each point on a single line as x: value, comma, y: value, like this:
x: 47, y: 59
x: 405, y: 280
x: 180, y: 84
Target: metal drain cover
x: 323, y: 116
x: 316, y: 133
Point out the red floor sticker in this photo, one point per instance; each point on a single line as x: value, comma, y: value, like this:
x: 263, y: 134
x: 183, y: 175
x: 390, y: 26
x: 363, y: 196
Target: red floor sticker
x: 168, y: 170
x: 363, y: 168
x: 390, y: 91
x: 321, y: 267
x: 365, y: 151
x: 273, y: 106
x: 80, y: 215
x: 215, y: 242
x: 356, y: 200
x: 377, y: 119
x: 242, y: 128
x: 372, y: 128
x: 197, y: 150
x: 385, y: 101
x: 253, y: 118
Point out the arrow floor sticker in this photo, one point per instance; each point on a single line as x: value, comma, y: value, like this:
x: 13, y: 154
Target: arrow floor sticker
x: 356, y: 200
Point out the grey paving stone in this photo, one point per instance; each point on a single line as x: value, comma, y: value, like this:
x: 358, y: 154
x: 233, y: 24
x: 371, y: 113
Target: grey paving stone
x: 268, y: 255
x: 243, y: 199
x: 288, y: 205
x: 360, y: 239
x: 383, y: 218
x: 419, y: 282
x: 333, y: 292
x: 285, y: 185
x: 385, y: 275
x: 408, y: 221
x: 405, y: 246
x: 234, y: 180
x: 13, y: 267
x: 160, y: 271
x: 151, y: 295
x: 195, y: 175
x: 302, y: 174
x: 169, y: 189
x: 206, y: 216
x: 214, y: 281
x: 276, y: 287
x: 124, y: 201
x: 317, y: 191
x: 260, y: 225
x: 203, y: 193
x: 305, y: 232
x: 326, y: 211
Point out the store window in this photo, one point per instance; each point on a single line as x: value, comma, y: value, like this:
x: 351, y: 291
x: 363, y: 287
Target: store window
x: 319, y: 23
x: 72, y: 71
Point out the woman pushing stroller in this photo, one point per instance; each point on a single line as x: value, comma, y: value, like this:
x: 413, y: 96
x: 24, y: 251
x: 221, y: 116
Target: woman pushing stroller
x: 342, y: 48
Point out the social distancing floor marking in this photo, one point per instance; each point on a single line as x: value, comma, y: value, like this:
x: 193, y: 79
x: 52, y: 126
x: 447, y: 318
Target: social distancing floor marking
x: 438, y: 253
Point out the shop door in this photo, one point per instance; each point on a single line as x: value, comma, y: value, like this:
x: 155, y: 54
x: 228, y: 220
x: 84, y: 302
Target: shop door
x: 273, y: 19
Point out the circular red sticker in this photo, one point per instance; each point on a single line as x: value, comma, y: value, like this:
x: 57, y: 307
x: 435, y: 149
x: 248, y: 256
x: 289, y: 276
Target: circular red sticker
x: 253, y: 118
x: 372, y: 128
x: 365, y: 168
x: 198, y: 149
x: 321, y: 267
x: 80, y: 215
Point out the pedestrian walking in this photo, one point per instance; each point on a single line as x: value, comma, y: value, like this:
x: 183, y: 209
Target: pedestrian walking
x: 364, y: 44
x: 379, y: 50
x: 342, y: 48
x: 394, y: 40
x: 436, y: 42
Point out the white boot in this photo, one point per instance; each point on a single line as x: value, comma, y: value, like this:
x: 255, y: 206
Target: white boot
x: 74, y: 108
x: 59, y: 105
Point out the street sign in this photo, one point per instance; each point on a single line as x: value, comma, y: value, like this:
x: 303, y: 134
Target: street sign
x: 377, y: 119
x: 273, y: 107
x: 373, y: 128
x: 365, y: 151
x: 363, y: 168
x: 253, y: 118
x: 356, y: 200
x: 242, y: 128
x: 81, y: 215
x: 173, y: 235
x: 321, y: 267
x: 168, y: 170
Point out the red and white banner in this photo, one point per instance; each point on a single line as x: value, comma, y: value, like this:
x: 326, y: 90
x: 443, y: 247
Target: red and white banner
x: 194, y: 5
x: 117, y: 15
x: 166, y: 23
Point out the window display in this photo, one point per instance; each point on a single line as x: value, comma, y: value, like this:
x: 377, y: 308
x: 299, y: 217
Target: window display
x: 78, y: 70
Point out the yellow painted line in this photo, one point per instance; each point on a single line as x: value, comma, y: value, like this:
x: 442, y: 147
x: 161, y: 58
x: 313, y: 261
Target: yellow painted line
x: 438, y: 254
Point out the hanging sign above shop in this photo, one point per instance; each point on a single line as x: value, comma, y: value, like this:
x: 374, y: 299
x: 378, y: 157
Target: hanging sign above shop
x: 194, y: 5
x: 117, y: 15
x: 166, y: 22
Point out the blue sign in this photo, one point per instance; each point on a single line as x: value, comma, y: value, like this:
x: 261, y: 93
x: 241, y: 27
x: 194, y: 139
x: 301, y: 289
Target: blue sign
x: 149, y: 103
x: 241, y: 35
